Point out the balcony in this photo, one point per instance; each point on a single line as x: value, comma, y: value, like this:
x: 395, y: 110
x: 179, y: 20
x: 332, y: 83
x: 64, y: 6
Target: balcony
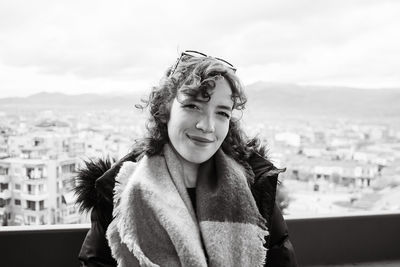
x: 362, y: 240
x: 34, y: 196
x: 67, y: 175
x: 5, y: 194
x: 4, y: 178
x: 36, y: 212
x: 34, y: 181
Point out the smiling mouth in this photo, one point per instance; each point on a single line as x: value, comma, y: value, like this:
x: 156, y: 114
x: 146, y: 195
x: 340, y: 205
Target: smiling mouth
x: 199, y: 140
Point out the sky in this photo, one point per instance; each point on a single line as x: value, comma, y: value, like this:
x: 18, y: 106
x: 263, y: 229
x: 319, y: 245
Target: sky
x: 94, y: 46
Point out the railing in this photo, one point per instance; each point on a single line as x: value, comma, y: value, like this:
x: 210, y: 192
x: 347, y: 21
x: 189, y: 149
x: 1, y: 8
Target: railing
x: 4, y: 178
x: 321, y: 241
x: 35, y: 212
x: 33, y: 196
x: 5, y: 194
x: 35, y: 180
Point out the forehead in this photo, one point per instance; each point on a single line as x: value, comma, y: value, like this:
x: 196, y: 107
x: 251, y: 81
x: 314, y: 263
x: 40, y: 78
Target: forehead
x: 222, y: 92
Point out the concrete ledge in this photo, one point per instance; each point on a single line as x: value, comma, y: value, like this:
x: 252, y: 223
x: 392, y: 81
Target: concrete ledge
x: 318, y: 241
x: 339, y: 240
x: 50, y: 245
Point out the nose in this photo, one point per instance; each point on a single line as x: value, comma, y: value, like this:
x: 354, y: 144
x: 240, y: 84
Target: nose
x: 206, y: 124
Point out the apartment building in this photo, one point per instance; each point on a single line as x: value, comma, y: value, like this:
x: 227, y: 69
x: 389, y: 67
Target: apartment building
x: 34, y: 190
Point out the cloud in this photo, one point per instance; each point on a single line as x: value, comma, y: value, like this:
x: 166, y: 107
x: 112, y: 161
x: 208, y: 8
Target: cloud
x: 131, y: 42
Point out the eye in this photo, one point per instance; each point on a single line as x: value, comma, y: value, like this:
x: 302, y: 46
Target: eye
x: 190, y: 106
x: 224, y: 114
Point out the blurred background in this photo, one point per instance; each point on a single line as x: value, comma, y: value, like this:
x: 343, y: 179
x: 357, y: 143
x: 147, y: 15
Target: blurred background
x: 321, y: 77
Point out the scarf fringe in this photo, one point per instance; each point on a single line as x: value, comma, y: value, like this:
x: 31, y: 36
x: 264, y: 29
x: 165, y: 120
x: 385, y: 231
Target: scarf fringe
x: 115, y: 233
x: 263, y: 235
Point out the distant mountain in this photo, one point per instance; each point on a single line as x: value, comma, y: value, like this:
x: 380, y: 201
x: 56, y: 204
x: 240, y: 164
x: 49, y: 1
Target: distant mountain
x: 322, y: 100
x: 264, y: 99
x: 90, y: 101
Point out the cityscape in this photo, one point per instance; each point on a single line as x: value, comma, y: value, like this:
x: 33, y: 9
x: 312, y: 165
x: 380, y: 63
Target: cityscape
x: 336, y: 167
x: 333, y: 165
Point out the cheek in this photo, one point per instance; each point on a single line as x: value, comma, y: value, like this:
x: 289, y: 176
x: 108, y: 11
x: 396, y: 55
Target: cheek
x: 223, y: 132
x: 172, y: 116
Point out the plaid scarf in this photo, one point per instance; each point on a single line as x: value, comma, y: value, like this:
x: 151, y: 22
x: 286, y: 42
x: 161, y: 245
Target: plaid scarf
x: 155, y: 223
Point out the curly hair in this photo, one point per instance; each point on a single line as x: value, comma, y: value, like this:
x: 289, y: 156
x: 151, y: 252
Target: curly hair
x: 193, y: 77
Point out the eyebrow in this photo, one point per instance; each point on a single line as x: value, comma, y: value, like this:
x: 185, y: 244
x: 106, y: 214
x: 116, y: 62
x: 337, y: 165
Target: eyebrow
x: 221, y: 106
x: 225, y: 107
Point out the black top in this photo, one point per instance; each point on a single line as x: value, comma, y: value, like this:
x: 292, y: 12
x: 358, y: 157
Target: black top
x: 192, y: 195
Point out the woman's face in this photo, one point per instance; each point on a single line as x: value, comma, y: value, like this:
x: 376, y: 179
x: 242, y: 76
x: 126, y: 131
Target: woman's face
x: 197, y: 129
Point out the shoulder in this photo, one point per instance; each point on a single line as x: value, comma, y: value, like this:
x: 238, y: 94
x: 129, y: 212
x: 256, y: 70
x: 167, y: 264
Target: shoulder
x: 85, y: 181
x: 95, y: 181
x: 265, y: 181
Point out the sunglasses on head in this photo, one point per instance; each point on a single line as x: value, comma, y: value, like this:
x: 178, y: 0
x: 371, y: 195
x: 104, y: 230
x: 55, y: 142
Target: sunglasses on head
x: 192, y: 53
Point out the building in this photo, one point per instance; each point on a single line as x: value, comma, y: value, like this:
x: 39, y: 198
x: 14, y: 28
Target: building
x: 36, y: 191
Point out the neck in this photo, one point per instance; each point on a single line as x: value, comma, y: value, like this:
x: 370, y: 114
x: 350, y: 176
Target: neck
x: 189, y: 170
x: 189, y: 173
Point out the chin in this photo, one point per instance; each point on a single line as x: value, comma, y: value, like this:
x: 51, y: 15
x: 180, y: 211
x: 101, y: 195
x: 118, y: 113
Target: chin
x: 196, y: 158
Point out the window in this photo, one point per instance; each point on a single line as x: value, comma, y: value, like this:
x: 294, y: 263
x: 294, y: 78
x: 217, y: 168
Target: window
x: 30, y: 172
x: 30, y: 189
x: 42, y: 220
x: 30, y: 205
x: 3, y: 171
x: 17, y: 202
x: 67, y: 184
x: 68, y: 168
x: 2, y: 203
x: 40, y: 172
x: 17, y: 186
x: 3, y: 186
x: 59, y: 186
x: 71, y: 210
x: 31, y: 219
x: 41, y: 205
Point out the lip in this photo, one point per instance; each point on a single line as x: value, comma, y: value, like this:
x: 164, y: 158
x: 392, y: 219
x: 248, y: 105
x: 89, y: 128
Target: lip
x: 199, y: 139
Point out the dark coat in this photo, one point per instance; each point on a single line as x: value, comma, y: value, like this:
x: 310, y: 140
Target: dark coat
x: 95, y: 192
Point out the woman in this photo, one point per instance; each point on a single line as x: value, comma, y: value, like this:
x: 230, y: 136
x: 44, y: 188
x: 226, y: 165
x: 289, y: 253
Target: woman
x: 196, y: 191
